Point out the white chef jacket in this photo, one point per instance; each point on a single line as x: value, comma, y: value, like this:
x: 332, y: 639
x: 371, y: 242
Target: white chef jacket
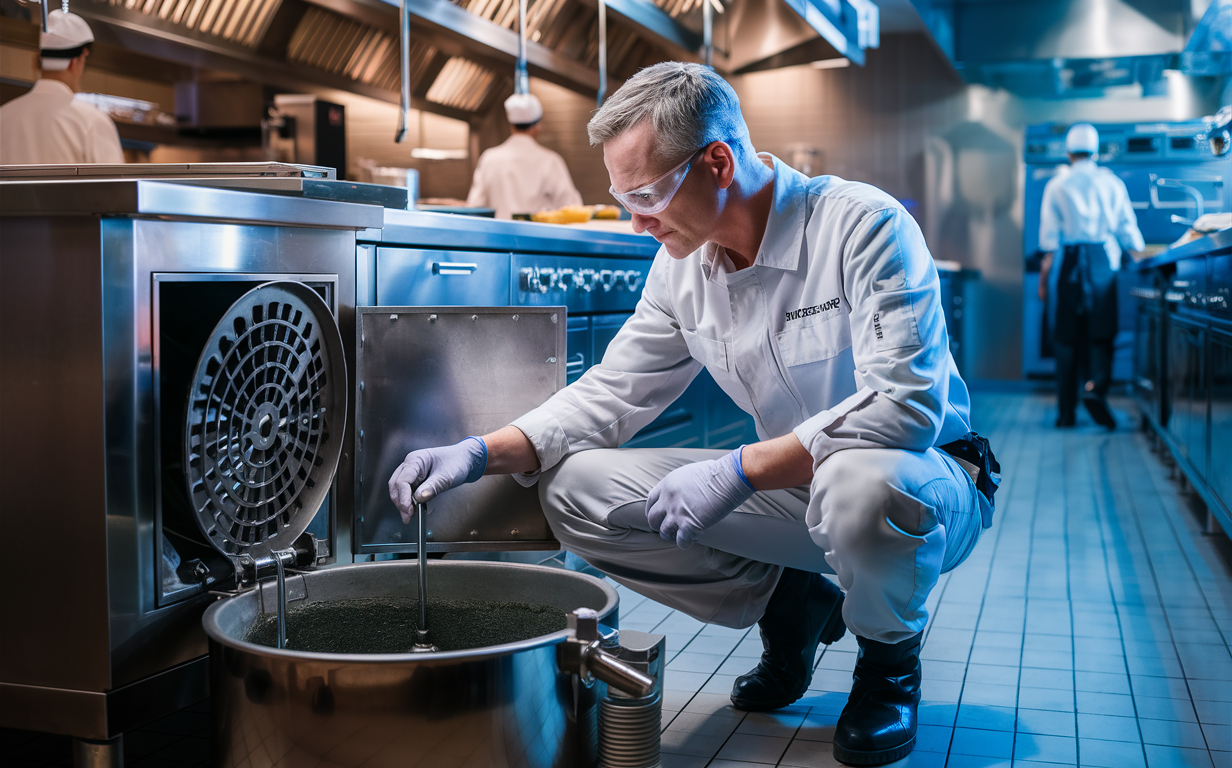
x: 836, y: 333
x: 521, y: 176
x: 49, y: 125
x: 1088, y: 204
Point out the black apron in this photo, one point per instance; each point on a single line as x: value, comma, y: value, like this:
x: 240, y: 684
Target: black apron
x: 1086, y: 291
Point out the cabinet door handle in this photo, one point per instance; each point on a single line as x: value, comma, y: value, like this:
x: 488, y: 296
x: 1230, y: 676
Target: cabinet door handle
x: 453, y: 268
x: 576, y: 364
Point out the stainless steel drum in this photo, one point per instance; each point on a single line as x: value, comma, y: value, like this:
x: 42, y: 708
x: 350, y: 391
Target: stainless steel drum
x: 515, y: 705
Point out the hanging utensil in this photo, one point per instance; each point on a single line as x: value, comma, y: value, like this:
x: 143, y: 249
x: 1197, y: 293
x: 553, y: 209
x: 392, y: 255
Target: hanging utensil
x: 708, y: 32
x: 521, y: 78
x: 602, y: 51
x: 404, y: 112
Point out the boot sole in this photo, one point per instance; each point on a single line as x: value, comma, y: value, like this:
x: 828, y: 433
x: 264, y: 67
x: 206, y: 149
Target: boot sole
x: 746, y: 705
x: 880, y: 757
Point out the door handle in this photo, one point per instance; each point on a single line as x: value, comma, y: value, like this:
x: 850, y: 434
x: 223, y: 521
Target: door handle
x: 576, y: 364
x: 453, y: 268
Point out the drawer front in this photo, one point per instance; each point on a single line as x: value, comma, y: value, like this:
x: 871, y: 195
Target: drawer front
x: 410, y: 277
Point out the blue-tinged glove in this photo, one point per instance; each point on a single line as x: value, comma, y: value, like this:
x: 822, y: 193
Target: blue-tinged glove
x: 694, y: 497
x: 426, y: 473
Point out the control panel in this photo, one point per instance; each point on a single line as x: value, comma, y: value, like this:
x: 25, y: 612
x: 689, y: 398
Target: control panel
x: 549, y: 279
x: 582, y: 284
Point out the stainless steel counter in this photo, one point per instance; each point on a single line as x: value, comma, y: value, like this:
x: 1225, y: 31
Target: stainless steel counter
x: 1213, y: 243
x: 440, y: 230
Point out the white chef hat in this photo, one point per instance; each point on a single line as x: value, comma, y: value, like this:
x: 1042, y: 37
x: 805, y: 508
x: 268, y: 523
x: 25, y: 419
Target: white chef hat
x: 66, y: 35
x: 523, y: 109
x: 1082, y: 138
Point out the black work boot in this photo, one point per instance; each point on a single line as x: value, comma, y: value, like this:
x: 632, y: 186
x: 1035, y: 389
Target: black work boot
x: 878, y: 724
x: 805, y: 609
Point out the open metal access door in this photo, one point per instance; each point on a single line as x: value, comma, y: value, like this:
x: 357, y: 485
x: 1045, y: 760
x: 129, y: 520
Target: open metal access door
x: 429, y: 376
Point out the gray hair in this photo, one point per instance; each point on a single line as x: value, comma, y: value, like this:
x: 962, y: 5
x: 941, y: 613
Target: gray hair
x: 688, y: 106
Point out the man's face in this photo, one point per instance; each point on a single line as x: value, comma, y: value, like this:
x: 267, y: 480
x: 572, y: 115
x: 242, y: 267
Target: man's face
x: 682, y: 227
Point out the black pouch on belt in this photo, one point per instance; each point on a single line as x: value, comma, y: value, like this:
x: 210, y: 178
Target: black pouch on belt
x: 976, y: 451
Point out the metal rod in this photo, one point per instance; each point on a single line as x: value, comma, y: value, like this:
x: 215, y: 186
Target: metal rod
x: 521, y: 78
x: 282, y: 600
x: 43, y: 10
x: 421, y: 513
x: 708, y: 31
x: 422, y: 645
x: 404, y: 112
x: 602, y: 51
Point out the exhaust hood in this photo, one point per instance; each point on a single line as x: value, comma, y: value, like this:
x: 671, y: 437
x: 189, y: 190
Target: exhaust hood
x: 463, y: 51
x: 1080, y: 48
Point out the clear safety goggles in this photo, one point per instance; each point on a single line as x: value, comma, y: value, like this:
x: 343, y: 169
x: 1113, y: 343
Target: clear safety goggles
x: 655, y: 196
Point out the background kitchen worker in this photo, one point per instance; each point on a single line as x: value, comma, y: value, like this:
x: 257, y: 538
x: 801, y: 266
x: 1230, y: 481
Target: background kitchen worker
x: 1087, y: 216
x: 520, y: 175
x: 816, y: 306
x: 48, y: 125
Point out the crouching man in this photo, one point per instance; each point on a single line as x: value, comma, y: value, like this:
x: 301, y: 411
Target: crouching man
x: 815, y: 305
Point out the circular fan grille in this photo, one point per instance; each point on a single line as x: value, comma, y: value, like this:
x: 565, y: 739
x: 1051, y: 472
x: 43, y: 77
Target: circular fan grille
x: 265, y: 419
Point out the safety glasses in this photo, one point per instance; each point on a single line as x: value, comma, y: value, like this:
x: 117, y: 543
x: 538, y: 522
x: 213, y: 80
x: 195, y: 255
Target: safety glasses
x: 655, y: 196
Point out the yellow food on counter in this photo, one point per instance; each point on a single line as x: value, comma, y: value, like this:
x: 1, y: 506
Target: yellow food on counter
x: 576, y: 214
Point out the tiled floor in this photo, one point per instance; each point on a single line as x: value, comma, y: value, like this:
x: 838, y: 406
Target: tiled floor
x: 1091, y: 627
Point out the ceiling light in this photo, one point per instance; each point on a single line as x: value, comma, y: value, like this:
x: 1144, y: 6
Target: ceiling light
x: 424, y: 153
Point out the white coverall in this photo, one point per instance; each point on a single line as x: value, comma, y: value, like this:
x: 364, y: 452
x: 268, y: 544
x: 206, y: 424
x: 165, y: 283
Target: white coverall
x: 836, y: 332
x: 1085, y: 203
x: 521, y: 176
x: 48, y: 125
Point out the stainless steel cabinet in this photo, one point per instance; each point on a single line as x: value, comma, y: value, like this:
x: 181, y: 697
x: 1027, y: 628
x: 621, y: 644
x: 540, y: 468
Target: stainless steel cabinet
x: 577, y: 345
x: 1219, y: 468
x: 1183, y: 363
x: 703, y: 417
x: 681, y: 425
x: 1187, y: 387
x: 1149, y: 377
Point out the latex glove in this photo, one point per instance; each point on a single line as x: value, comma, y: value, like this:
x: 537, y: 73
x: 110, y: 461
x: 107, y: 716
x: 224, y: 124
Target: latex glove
x: 424, y: 474
x: 694, y: 497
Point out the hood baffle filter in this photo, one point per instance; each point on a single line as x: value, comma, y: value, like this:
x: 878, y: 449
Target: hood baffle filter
x: 265, y: 420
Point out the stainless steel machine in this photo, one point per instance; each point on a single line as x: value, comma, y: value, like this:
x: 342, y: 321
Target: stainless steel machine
x: 182, y: 372
x: 109, y: 293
